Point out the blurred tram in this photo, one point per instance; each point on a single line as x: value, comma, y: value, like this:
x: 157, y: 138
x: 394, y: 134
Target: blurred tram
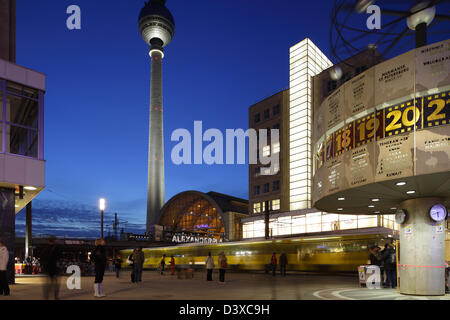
x: 337, y: 253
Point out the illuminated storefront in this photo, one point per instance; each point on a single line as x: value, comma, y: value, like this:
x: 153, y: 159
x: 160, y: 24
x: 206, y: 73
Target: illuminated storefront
x: 311, y: 221
x: 194, y: 216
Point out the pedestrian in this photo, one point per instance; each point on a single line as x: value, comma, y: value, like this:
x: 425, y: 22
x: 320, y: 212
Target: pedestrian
x: 390, y: 265
x: 273, y: 263
x: 28, y: 265
x: 4, y: 259
x: 162, y: 264
x: 50, y: 259
x: 100, y: 261
x: 118, y: 265
x: 223, y: 264
x: 374, y: 257
x: 138, y: 259
x: 131, y: 259
x: 209, y: 267
x: 172, y: 265
x: 283, y: 264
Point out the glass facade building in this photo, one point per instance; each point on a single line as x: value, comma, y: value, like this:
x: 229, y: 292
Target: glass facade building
x: 210, y: 215
x: 315, y: 222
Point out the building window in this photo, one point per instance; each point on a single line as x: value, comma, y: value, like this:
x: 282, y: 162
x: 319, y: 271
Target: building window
x: 257, y: 118
x: 257, y: 190
x: 276, y: 185
x: 276, y: 110
x: 267, y: 114
x: 266, y: 151
x: 276, y: 168
x: 266, y: 187
x: 276, y: 148
x: 276, y: 204
x: 257, y: 172
x: 19, y: 119
x: 256, y: 208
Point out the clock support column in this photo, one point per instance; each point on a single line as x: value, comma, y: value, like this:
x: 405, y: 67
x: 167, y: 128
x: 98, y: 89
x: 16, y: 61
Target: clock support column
x: 422, y: 250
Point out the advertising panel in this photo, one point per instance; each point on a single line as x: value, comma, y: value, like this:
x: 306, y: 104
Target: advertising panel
x: 359, y: 94
x: 394, y: 78
x: 395, y: 157
x: 432, y: 66
x: 359, y: 168
x: 335, y: 175
x: 433, y: 150
x: 334, y: 107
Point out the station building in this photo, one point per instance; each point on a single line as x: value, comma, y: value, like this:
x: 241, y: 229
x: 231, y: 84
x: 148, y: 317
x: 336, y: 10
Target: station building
x: 194, y: 216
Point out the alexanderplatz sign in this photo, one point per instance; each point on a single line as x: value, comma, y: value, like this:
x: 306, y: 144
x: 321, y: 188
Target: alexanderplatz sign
x: 382, y: 146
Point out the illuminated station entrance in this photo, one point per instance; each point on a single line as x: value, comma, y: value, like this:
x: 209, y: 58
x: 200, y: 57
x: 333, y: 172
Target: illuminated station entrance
x: 194, y: 216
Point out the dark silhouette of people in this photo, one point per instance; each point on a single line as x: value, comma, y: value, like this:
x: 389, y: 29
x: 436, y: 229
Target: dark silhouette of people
x: 283, y: 264
x: 50, y: 257
x: 100, y: 260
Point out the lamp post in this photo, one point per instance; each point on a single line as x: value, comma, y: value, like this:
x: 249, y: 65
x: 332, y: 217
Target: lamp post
x: 102, y: 208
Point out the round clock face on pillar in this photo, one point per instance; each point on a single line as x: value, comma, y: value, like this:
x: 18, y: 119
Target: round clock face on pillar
x: 438, y: 213
x: 400, y: 216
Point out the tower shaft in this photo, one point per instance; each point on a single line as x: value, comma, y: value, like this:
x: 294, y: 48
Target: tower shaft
x: 155, y: 188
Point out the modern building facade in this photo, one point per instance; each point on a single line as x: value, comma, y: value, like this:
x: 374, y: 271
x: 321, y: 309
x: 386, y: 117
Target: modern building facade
x: 22, y: 164
x: 310, y: 81
x: 305, y: 61
x: 271, y: 113
x: 157, y: 27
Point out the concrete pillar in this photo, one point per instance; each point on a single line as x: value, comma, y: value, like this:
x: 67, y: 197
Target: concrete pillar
x: 155, y: 189
x: 422, y: 250
x: 8, y: 226
x: 28, y: 232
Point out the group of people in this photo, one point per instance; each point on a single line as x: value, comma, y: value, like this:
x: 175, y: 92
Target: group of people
x: 283, y: 264
x: 137, y: 260
x: 223, y: 265
x: 386, y: 259
x: 32, y: 265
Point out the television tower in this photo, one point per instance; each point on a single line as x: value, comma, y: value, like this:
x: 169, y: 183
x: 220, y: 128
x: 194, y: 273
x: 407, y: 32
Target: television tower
x: 157, y: 28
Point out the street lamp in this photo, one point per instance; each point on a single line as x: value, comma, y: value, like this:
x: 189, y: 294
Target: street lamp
x: 102, y: 208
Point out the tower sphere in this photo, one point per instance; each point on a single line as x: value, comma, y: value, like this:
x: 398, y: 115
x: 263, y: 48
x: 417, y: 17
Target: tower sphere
x: 156, y: 22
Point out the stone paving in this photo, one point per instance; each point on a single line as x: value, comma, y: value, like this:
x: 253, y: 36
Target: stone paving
x: 238, y: 286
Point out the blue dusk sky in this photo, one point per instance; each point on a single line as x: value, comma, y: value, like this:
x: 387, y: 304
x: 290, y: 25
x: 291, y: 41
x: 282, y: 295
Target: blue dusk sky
x: 225, y: 56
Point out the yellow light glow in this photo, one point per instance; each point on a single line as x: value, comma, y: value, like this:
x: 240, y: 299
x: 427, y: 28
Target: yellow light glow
x: 102, y: 204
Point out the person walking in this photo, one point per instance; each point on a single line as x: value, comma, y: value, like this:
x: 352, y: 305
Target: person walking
x: 390, y: 265
x: 209, y: 267
x: 100, y: 261
x: 283, y: 264
x: 50, y: 258
x: 172, y: 266
x: 223, y: 264
x: 273, y: 263
x: 162, y: 264
x: 131, y: 259
x: 118, y: 265
x: 138, y: 260
x: 4, y: 258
